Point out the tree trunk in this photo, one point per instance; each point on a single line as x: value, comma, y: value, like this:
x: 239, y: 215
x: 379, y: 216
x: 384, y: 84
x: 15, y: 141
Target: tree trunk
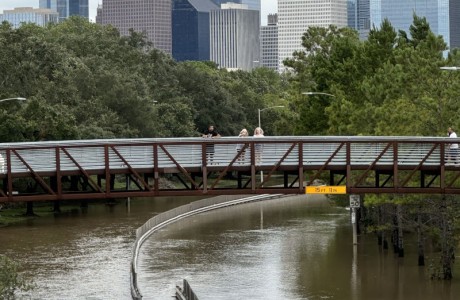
x: 400, y: 241
x: 30, y: 209
x: 447, y: 241
x: 57, y: 207
x: 420, y: 240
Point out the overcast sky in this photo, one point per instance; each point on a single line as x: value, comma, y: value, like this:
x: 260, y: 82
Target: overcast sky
x: 268, y: 6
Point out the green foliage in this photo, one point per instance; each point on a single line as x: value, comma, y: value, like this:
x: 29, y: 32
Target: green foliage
x: 10, y: 280
x: 389, y: 84
x: 83, y: 81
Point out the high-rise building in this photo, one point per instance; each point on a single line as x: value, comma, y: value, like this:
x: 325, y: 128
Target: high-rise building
x: 190, y: 29
x: 269, y: 43
x: 67, y: 8
x: 150, y: 16
x: 38, y: 16
x: 454, y: 24
x: 235, y: 36
x: 295, y: 16
x: 359, y: 17
x: 442, y: 15
x: 252, y: 4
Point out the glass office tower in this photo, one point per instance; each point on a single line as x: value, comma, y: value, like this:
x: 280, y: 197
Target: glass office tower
x: 442, y: 15
x: 190, y: 29
x: 67, y: 8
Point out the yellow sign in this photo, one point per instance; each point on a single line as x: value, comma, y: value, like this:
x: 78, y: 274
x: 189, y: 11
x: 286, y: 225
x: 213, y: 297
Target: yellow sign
x: 326, y: 189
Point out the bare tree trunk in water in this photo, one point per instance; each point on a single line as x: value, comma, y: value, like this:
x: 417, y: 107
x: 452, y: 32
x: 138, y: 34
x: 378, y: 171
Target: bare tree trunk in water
x: 379, y: 232
x: 395, y: 231
x: 420, y: 240
x: 30, y: 209
x: 400, y: 231
x: 57, y: 206
x: 447, y: 241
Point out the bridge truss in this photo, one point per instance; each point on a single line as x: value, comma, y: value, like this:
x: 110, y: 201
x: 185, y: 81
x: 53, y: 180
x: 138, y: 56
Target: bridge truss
x: 102, y: 169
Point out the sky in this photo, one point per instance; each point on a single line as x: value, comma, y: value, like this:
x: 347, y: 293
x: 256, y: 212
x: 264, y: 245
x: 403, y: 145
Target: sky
x: 268, y: 6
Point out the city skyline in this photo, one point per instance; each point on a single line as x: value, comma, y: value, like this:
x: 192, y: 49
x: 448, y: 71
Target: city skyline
x: 268, y: 7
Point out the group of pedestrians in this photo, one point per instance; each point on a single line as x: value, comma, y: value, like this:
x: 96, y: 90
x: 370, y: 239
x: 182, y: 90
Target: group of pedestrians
x: 211, y: 132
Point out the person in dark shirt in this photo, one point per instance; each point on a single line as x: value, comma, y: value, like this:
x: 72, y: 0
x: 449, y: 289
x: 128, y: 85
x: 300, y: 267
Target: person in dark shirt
x: 210, y: 133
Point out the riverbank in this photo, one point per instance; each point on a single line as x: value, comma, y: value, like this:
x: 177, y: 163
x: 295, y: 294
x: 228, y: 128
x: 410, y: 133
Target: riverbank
x: 17, y: 214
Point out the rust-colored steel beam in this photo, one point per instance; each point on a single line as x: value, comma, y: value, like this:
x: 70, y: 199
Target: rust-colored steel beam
x: 277, y: 165
x: 418, y: 166
x: 131, y: 169
x: 425, y: 157
x: 35, y: 174
x: 224, y: 172
x: 186, y: 174
x: 82, y: 170
x: 372, y: 165
x: 328, y: 161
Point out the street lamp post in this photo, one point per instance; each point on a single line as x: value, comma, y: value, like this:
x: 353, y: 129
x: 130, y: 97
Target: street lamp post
x: 15, y: 98
x: 261, y: 110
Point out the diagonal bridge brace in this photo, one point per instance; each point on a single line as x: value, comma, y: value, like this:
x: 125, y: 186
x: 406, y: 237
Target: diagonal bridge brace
x: 326, y: 163
x: 186, y: 174
x: 222, y: 174
x: 146, y: 186
x: 277, y: 165
x: 83, y: 171
x: 36, y: 177
x: 371, y: 166
x: 419, y: 165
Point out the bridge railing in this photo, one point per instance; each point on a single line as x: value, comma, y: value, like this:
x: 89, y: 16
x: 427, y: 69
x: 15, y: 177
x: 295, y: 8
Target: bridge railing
x: 61, y: 170
x: 191, y: 152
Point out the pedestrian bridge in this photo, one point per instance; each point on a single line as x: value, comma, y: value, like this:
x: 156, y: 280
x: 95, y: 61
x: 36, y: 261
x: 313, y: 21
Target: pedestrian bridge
x: 97, y: 169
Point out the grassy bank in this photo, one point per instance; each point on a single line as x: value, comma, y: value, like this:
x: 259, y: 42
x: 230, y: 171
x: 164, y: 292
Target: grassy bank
x: 17, y: 214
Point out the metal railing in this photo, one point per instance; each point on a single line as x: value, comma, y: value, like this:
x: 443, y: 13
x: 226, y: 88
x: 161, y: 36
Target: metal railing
x: 164, y: 219
x: 98, y: 162
x: 186, y: 292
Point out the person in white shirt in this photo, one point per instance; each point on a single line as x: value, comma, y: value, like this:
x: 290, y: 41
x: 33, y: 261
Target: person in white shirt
x: 453, y: 148
x: 258, y: 133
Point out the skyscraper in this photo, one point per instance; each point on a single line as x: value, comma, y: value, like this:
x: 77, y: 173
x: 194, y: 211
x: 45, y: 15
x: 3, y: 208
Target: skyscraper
x: 269, y: 43
x: 252, y: 4
x: 190, y: 29
x: 295, y: 16
x: 235, y: 36
x: 442, y: 15
x: 150, y: 16
x: 67, y: 8
x: 359, y: 16
x: 39, y: 16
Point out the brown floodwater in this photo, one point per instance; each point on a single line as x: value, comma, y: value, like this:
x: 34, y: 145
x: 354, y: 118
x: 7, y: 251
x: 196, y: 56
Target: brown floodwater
x: 277, y: 249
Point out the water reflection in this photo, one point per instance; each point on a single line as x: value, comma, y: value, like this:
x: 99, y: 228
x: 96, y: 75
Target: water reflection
x: 81, y: 255
x: 226, y: 253
x: 281, y: 249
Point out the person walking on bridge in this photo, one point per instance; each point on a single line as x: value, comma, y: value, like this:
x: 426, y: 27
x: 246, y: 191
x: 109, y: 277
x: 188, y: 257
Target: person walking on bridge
x: 452, y: 155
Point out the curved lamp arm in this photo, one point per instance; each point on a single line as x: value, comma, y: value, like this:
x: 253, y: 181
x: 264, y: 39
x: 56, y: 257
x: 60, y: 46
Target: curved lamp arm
x: 317, y: 93
x: 15, y: 98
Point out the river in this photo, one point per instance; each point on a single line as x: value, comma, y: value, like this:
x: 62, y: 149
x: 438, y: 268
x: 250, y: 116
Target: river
x: 279, y: 249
